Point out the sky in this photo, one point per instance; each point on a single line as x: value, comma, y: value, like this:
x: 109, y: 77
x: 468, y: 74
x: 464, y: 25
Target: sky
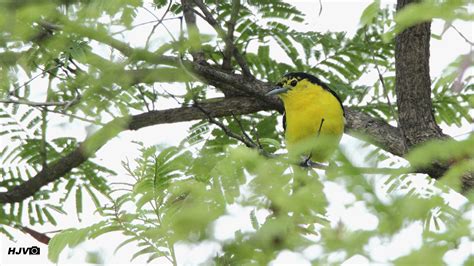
x: 335, y: 16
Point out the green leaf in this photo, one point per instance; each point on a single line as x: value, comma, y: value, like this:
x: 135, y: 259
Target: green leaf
x: 104, y: 230
x: 370, y: 12
x: 99, y: 138
x: 57, y: 244
x: 441, y: 150
x: 49, y: 216
x: 56, y: 208
x: 430, y: 255
x: 416, y: 13
x: 97, y: 204
x: 130, y: 240
x: 69, y: 237
x: 144, y: 251
x: 39, y: 214
x: 274, y: 144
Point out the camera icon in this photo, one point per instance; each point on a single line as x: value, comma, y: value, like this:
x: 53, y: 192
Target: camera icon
x: 34, y: 250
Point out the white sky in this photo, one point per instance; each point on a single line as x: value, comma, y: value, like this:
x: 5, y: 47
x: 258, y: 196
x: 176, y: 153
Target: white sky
x: 336, y: 16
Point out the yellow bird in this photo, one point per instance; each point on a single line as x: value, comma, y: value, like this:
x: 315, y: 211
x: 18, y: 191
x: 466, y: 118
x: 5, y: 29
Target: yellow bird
x: 313, y: 118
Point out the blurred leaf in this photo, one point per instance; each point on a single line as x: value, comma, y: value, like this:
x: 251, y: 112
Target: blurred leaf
x: 370, y: 12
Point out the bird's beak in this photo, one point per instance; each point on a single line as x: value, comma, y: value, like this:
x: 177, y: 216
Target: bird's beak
x: 276, y: 91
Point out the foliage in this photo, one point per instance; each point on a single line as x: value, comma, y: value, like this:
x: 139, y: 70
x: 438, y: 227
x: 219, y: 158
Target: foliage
x: 76, y: 53
x: 24, y: 156
x: 447, y: 10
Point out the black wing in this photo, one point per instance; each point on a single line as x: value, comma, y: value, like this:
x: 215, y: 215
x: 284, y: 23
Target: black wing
x: 284, y: 121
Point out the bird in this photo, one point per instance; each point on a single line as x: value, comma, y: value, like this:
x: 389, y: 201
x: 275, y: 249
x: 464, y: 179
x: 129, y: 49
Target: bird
x: 314, y: 117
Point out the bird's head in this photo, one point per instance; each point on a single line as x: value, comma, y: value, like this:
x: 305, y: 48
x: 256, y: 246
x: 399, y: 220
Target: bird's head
x: 293, y: 82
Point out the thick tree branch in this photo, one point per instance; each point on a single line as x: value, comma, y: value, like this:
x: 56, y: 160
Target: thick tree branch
x: 413, y: 90
x: 85, y: 150
x: 376, y: 131
x: 220, y: 108
x: 413, y: 83
x: 226, y: 107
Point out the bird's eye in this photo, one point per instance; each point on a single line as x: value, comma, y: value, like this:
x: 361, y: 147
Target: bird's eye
x: 293, y: 83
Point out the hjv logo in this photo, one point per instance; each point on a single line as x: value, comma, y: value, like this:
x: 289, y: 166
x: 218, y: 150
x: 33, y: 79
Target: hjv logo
x: 33, y: 250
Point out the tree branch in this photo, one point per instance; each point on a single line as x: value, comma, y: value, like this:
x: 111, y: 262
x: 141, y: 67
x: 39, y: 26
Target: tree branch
x: 229, y: 40
x: 213, y: 22
x: 244, y: 138
x: 376, y: 131
x: 226, y: 107
x: 86, y: 149
x: 413, y: 83
x: 193, y: 30
x: 413, y: 90
x: 40, y: 237
x: 32, y: 103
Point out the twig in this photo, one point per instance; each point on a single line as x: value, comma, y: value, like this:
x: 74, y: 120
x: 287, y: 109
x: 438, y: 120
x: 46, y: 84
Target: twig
x: 15, y: 90
x: 229, y: 40
x: 53, y: 231
x: 382, y: 82
x: 213, y: 22
x: 43, y: 151
x: 193, y: 30
x: 141, y: 24
x: 158, y: 23
x: 31, y: 103
x: 462, y: 35
x: 257, y: 137
x: 155, y: 96
x: 139, y: 88
x: 40, y: 237
x: 151, y: 13
x: 244, y: 133
x: 320, y: 8
x: 77, y: 67
x: 226, y: 130
x: 466, y: 63
x: 77, y: 117
x: 173, y: 97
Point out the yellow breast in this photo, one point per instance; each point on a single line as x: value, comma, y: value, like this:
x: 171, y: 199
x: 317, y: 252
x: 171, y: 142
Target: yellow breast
x: 314, y: 118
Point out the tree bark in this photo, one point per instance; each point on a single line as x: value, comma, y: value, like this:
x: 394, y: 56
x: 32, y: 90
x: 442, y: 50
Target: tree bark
x: 413, y: 83
x: 413, y: 90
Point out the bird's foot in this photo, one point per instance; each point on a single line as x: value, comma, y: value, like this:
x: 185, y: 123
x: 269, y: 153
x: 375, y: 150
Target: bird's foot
x: 311, y: 164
